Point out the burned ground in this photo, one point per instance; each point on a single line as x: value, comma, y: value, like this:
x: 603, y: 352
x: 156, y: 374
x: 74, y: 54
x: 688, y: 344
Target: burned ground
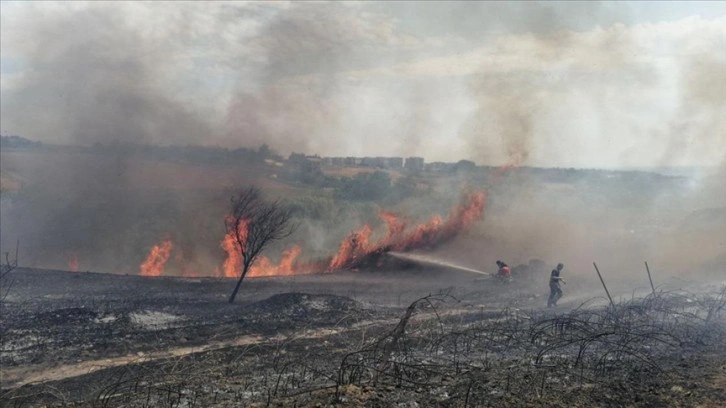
x: 356, y: 339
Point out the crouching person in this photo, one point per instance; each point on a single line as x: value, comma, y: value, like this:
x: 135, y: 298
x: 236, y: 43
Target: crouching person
x: 504, y: 273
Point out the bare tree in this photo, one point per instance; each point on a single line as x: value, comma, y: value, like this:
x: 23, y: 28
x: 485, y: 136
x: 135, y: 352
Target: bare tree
x: 5, y: 280
x: 254, y: 223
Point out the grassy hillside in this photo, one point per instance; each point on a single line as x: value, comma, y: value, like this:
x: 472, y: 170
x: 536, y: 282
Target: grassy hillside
x: 51, y: 170
x: 108, y: 209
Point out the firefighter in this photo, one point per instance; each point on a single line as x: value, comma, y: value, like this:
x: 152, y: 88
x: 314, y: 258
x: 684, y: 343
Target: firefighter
x: 555, y: 290
x: 504, y: 273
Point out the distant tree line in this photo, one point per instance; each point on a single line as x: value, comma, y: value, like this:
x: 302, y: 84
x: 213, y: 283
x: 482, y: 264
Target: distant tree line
x: 190, y: 153
x: 374, y: 186
x: 17, y: 142
x: 573, y: 175
x: 364, y: 186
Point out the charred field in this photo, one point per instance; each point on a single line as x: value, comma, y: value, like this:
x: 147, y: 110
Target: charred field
x: 323, y: 204
x: 358, y: 338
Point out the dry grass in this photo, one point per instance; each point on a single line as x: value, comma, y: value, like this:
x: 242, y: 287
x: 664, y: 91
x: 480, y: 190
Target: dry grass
x: 337, y: 171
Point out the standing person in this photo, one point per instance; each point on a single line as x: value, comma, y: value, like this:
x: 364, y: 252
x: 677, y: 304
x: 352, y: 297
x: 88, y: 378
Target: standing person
x: 555, y: 290
x: 504, y: 273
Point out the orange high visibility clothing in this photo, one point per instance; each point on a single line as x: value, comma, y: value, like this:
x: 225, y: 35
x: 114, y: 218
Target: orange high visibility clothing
x: 505, y: 271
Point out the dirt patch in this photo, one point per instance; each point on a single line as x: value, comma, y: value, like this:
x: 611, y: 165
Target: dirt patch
x: 305, y: 306
x: 150, y: 320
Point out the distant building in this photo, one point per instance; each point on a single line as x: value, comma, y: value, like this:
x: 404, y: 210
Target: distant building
x: 312, y: 165
x: 389, y: 162
x: 465, y: 166
x: 440, y: 167
x: 301, y: 162
x: 353, y: 161
x: 394, y: 162
x: 414, y: 163
x: 296, y: 158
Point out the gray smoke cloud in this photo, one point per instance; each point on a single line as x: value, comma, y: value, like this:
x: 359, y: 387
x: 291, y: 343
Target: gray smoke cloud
x: 699, y: 115
x: 551, y: 83
x: 92, y: 77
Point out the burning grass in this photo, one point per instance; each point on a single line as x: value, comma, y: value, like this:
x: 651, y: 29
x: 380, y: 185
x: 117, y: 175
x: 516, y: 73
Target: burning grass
x: 356, y: 250
x: 155, y: 262
x: 73, y: 263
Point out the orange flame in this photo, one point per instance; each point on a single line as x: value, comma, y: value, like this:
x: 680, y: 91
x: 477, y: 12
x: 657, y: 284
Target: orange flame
x: 356, y: 247
x: 233, y: 264
x: 499, y: 172
x: 73, y: 263
x: 428, y: 235
x: 395, y: 225
x: 286, y: 267
x: 156, y: 260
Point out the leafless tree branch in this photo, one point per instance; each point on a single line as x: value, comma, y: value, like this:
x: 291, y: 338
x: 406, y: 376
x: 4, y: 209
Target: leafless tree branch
x: 255, y: 223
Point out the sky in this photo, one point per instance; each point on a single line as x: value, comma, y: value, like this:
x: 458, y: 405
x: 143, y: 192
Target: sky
x: 556, y: 84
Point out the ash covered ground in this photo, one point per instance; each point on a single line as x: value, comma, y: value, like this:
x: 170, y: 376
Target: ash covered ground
x: 470, y: 131
x: 424, y: 336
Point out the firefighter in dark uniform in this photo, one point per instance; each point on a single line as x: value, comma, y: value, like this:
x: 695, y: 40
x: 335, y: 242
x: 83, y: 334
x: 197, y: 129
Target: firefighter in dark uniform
x: 555, y: 290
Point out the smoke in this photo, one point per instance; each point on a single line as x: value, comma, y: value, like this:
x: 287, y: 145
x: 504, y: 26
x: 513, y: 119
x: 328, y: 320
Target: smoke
x: 521, y: 83
x: 95, y: 78
x: 307, y: 96
x: 508, y: 108
x: 92, y: 75
x: 555, y: 84
x: 699, y: 114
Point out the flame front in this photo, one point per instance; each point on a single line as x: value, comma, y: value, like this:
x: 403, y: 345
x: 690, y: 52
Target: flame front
x: 156, y: 260
x: 395, y: 225
x: 232, y: 266
x: 351, y: 248
x: 73, y: 263
x: 286, y: 267
x: 355, y: 250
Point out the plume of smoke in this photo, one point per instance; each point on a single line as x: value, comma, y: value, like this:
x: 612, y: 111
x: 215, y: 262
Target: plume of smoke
x: 96, y: 78
x: 545, y: 82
